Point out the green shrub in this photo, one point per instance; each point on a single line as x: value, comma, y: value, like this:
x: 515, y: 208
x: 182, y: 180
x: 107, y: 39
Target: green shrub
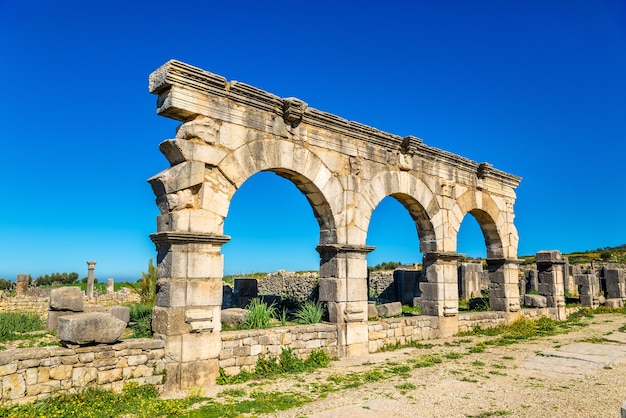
x: 310, y: 313
x: 147, y: 284
x: 259, y: 315
x: 141, y: 320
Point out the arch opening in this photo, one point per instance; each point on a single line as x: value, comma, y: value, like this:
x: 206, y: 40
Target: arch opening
x: 478, y: 240
x: 397, y: 228
x: 271, y: 227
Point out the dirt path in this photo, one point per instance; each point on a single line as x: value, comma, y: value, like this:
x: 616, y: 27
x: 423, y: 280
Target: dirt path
x: 578, y: 374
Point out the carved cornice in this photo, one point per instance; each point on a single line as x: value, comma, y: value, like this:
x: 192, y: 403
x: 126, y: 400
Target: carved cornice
x: 175, y: 237
x: 190, y: 83
x: 344, y: 248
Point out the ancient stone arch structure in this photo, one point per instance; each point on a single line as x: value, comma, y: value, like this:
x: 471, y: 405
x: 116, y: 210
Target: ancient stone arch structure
x: 231, y: 131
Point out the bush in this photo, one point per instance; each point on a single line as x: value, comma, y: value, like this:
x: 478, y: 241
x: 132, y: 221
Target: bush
x: 141, y: 320
x: 259, y: 315
x: 147, y: 284
x: 310, y: 313
x: 6, y: 284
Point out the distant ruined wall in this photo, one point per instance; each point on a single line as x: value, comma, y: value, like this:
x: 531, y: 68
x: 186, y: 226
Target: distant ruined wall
x: 38, y: 305
x: 299, y: 287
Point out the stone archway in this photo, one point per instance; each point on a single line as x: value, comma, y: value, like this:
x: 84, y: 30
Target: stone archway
x: 494, y: 214
x: 231, y: 131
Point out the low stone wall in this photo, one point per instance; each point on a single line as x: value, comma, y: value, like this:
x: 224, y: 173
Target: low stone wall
x: 241, y: 349
x: 29, y: 374
x: 469, y: 321
x: 401, y: 330
x: 25, y: 304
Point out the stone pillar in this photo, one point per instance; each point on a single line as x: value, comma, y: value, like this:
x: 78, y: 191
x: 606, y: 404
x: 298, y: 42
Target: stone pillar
x: 469, y: 280
x: 504, y: 284
x: 532, y: 281
x: 588, y: 288
x: 90, y: 267
x: 22, y: 283
x: 440, y: 291
x: 187, y: 314
x: 343, y: 285
x: 615, y: 285
x: 110, y: 285
x: 550, y: 266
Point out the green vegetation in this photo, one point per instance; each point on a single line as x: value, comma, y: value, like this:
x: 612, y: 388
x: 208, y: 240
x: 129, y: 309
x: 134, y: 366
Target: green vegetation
x: 141, y: 320
x: 385, y: 266
x: 606, y: 254
x: 259, y: 315
x: 310, y: 313
x: 230, y: 279
x: 270, y: 366
x: 61, y: 278
x: 136, y: 401
x: 13, y: 325
x: 413, y: 310
x: 147, y: 285
x: 6, y: 284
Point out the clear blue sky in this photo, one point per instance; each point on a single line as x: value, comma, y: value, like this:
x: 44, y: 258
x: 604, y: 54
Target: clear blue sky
x: 537, y: 88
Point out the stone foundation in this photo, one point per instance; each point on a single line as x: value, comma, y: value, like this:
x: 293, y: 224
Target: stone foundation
x: 29, y: 374
x: 241, y: 349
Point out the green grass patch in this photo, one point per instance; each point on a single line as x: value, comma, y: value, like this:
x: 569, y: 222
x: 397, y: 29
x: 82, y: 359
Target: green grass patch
x: 15, y: 325
x: 136, y: 401
x: 270, y: 366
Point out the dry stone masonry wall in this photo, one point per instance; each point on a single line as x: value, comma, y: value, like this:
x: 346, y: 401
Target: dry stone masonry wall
x: 29, y: 374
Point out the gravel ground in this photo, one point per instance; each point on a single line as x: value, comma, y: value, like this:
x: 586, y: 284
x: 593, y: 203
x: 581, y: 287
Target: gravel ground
x: 501, y: 381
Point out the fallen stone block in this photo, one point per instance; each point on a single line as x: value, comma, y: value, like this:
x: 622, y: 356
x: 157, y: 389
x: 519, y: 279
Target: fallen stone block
x: 120, y: 312
x: 389, y: 309
x: 535, y: 301
x: 53, y: 317
x: 95, y: 327
x: 614, y: 303
x: 234, y: 317
x: 67, y: 298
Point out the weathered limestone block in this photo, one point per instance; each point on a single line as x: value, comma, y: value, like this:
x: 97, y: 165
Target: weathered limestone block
x: 90, y: 327
x: 389, y: 309
x: 617, y: 303
x: 120, y: 312
x: 372, y: 311
x: 535, y: 301
x: 66, y: 298
x: 234, y: 317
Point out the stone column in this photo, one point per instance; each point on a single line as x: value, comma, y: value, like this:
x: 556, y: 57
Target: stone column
x: 504, y: 284
x: 343, y: 285
x: 440, y: 291
x: 187, y: 314
x: 90, y: 268
x: 110, y: 285
x: 21, y: 286
x: 551, y: 281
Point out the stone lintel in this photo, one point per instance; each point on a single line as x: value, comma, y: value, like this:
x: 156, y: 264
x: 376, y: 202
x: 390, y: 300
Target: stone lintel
x: 344, y: 248
x: 181, y: 86
x: 497, y: 261
x: 176, y: 237
x: 442, y: 256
